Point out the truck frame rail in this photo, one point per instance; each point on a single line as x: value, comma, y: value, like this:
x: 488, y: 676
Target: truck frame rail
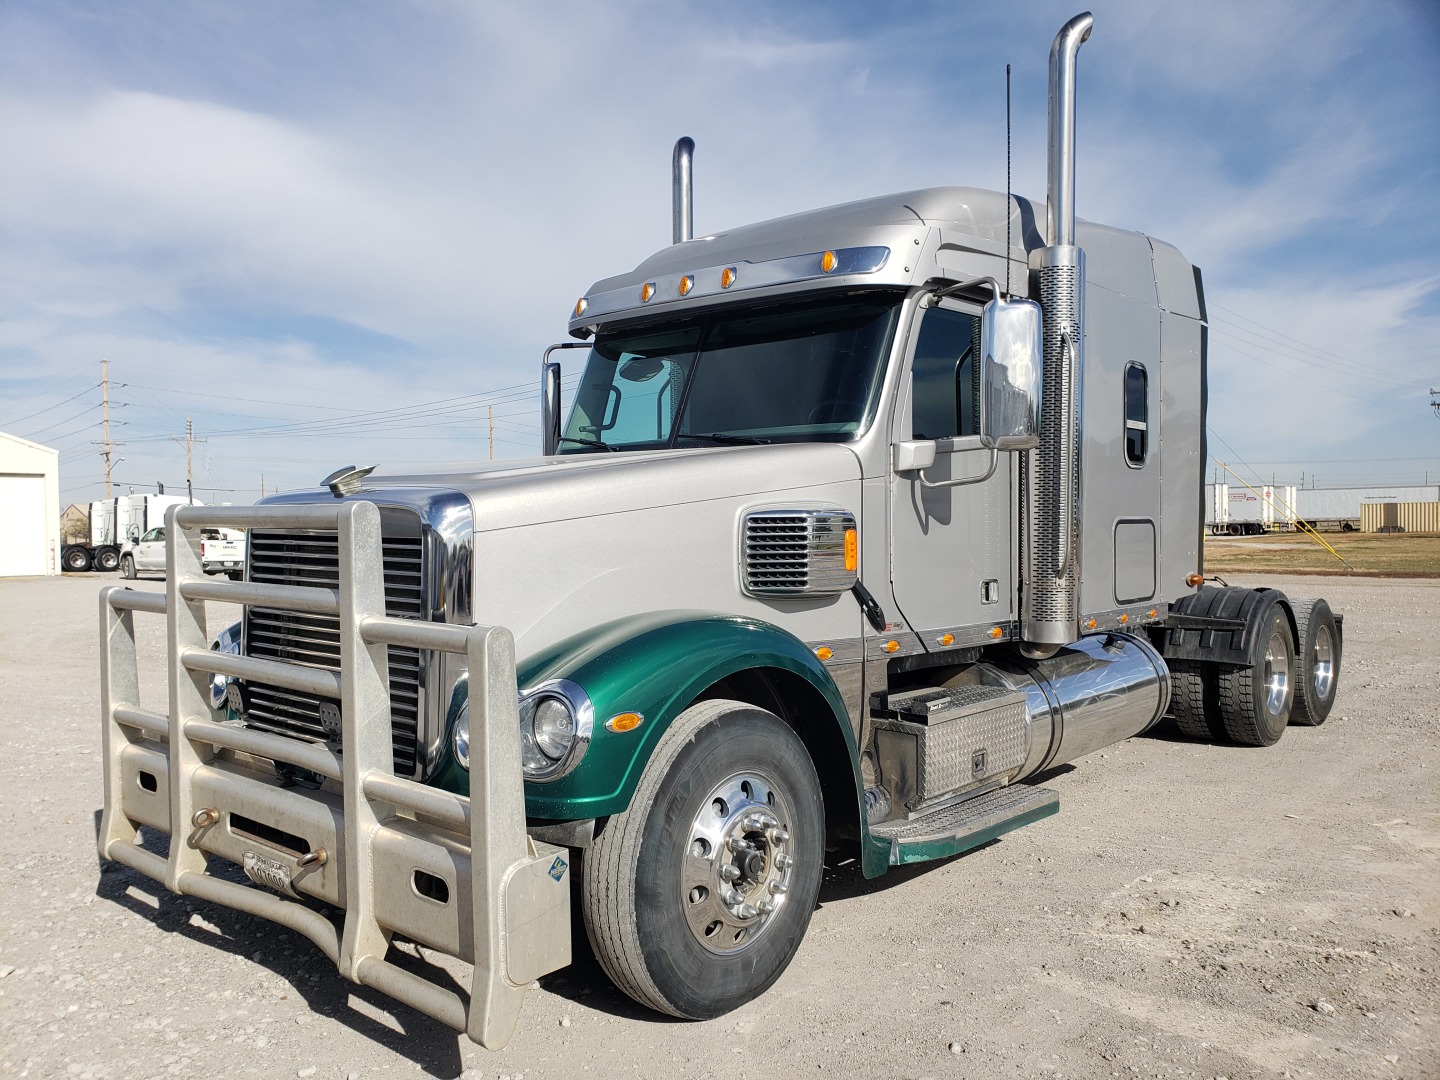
x: 457, y: 874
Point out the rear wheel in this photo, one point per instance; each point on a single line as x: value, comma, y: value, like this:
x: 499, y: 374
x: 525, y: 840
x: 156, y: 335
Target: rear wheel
x: 107, y: 559
x: 1318, y: 665
x: 697, y: 896
x: 1192, y: 704
x: 75, y: 559
x: 127, y: 567
x: 1255, y: 700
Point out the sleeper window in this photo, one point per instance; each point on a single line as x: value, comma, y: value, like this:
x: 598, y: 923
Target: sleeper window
x: 945, y: 379
x: 1137, y: 415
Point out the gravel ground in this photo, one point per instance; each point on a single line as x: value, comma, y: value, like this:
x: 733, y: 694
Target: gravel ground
x: 1194, y: 911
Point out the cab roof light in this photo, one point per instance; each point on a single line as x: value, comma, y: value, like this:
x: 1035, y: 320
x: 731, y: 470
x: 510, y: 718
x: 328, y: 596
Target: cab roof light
x: 647, y: 291
x: 580, y: 306
x: 828, y: 262
x: 727, y: 277
x: 686, y: 284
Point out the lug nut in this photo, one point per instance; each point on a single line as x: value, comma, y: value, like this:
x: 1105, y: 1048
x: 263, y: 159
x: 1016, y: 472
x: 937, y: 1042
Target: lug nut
x: 729, y: 872
x: 765, y: 907
x: 782, y: 861
x: 747, y: 911
x: 730, y: 896
x: 737, y: 844
x: 779, y: 888
x: 777, y: 835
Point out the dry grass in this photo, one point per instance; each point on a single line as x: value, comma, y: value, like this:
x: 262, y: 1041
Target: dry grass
x: 1389, y: 555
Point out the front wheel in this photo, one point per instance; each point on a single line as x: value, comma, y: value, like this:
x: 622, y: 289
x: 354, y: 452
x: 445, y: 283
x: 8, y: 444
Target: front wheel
x: 127, y: 567
x: 696, y: 897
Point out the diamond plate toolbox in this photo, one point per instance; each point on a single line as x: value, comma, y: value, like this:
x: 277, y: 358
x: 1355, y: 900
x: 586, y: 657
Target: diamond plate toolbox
x: 942, y: 742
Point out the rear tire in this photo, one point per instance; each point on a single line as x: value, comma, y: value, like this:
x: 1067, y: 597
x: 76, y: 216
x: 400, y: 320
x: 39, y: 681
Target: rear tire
x: 696, y: 897
x: 107, y: 559
x: 1192, y: 704
x: 1318, y: 665
x: 127, y: 567
x: 1256, y: 700
x: 75, y: 559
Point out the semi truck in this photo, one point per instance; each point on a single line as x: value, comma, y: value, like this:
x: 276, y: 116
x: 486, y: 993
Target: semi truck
x: 1242, y: 510
x: 861, y: 523
x: 112, y: 522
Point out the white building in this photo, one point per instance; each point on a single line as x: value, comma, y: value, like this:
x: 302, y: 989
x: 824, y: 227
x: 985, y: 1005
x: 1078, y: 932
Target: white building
x: 29, y: 508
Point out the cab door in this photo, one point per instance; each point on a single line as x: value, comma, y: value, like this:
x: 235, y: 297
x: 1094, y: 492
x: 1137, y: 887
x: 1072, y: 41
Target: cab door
x: 952, y: 543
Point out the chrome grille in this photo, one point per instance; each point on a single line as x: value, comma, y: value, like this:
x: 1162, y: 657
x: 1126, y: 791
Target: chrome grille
x: 313, y: 559
x: 795, y: 552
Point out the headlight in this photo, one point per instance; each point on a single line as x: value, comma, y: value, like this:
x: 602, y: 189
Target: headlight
x: 462, y: 736
x: 556, y: 719
x: 227, y: 642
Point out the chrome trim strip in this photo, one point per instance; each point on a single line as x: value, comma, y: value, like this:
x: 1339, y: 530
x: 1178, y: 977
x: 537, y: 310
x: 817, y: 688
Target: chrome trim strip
x: 842, y: 650
x: 909, y: 645
x: 1136, y: 616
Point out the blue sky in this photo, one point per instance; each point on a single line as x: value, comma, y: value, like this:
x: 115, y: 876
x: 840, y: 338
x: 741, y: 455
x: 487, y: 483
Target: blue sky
x: 344, y: 233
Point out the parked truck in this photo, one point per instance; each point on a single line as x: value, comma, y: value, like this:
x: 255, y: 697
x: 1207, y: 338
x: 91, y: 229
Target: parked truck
x: 113, y: 522
x: 861, y: 523
x: 1242, y: 510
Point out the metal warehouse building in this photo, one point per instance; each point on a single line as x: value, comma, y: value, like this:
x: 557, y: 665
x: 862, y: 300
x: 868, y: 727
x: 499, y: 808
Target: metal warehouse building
x: 29, y: 508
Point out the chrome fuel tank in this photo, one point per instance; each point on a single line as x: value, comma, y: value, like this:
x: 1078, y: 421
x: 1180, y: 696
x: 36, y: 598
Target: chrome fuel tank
x: 1097, y: 691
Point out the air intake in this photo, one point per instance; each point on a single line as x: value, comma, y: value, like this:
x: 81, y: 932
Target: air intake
x: 796, y: 553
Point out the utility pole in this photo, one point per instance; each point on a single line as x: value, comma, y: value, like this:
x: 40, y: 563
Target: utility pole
x: 189, y: 460
x: 491, y: 410
x: 262, y: 485
x: 105, y: 392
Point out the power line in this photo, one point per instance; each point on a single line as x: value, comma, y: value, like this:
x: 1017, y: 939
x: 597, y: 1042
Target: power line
x: 37, y: 412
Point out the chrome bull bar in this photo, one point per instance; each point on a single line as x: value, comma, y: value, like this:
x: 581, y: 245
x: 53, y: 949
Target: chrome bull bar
x: 457, y: 874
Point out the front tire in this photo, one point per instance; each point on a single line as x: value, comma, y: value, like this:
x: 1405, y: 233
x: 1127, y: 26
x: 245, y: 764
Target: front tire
x: 127, y: 567
x: 696, y: 897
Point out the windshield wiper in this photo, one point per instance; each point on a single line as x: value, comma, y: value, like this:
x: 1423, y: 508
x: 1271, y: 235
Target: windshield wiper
x: 721, y: 437
x: 589, y: 442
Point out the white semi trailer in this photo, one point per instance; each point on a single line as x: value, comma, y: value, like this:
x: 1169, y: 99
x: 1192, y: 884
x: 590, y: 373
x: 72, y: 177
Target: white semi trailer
x: 1242, y: 510
x: 862, y: 521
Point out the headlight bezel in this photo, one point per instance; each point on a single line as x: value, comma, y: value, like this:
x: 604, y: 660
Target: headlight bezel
x: 541, y: 766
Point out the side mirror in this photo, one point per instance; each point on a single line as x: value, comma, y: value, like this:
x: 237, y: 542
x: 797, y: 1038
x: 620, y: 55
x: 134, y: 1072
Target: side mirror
x: 1011, y: 355
x: 549, y: 407
x: 134, y: 534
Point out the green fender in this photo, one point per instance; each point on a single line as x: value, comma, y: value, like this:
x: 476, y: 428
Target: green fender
x: 653, y: 664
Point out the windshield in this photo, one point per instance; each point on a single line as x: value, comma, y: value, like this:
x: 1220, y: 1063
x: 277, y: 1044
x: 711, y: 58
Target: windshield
x: 804, y: 371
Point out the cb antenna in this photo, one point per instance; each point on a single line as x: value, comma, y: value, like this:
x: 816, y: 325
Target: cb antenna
x: 1007, y: 179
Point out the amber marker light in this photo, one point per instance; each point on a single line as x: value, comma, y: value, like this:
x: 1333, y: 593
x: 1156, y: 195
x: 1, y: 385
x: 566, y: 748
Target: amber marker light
x: 852, y: 550
x: 1151, y: 613
x: 626, y: 721
x: 827, y: 261
x: 892, y: 645
x: 1089, y: 624
x: 1124, y: 619
x: 996, y: 632
x: 947, y: 639
x: 1194, y: 580
x: 727, y: 277
x: 647, y: 291
x: 580, y: 306
x: 824, y: 652
x: 686, y: 284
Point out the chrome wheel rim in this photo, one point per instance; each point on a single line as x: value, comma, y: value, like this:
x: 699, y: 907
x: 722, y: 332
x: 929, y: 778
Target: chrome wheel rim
x: 1277, y: 672
x: 1322, y: 664
x: 737, y: 864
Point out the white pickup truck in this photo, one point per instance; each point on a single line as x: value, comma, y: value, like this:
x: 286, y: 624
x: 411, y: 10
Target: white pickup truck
x: 222, y: 551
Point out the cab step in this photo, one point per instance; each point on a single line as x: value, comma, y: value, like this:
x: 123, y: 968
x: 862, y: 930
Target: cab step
x: 962, y: 826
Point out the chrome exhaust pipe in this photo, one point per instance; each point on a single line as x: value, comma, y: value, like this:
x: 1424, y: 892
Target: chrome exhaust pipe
x: 683, y: 212
x: 1050, y: 528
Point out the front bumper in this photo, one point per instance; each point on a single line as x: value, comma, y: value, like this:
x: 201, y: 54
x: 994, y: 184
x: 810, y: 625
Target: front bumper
x: 453, y: 872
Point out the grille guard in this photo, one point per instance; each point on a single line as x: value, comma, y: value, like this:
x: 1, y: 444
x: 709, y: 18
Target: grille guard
x: 506, y: 903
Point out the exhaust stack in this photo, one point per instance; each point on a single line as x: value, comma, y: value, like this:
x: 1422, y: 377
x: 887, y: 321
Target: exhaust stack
x: 1051, y: 507
x: 683, y: 212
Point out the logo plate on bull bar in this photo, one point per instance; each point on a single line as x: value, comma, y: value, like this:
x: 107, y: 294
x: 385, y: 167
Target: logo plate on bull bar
x: 268, y: 872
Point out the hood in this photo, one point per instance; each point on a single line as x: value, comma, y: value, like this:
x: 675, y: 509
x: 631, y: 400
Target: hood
x: 572, y: 487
